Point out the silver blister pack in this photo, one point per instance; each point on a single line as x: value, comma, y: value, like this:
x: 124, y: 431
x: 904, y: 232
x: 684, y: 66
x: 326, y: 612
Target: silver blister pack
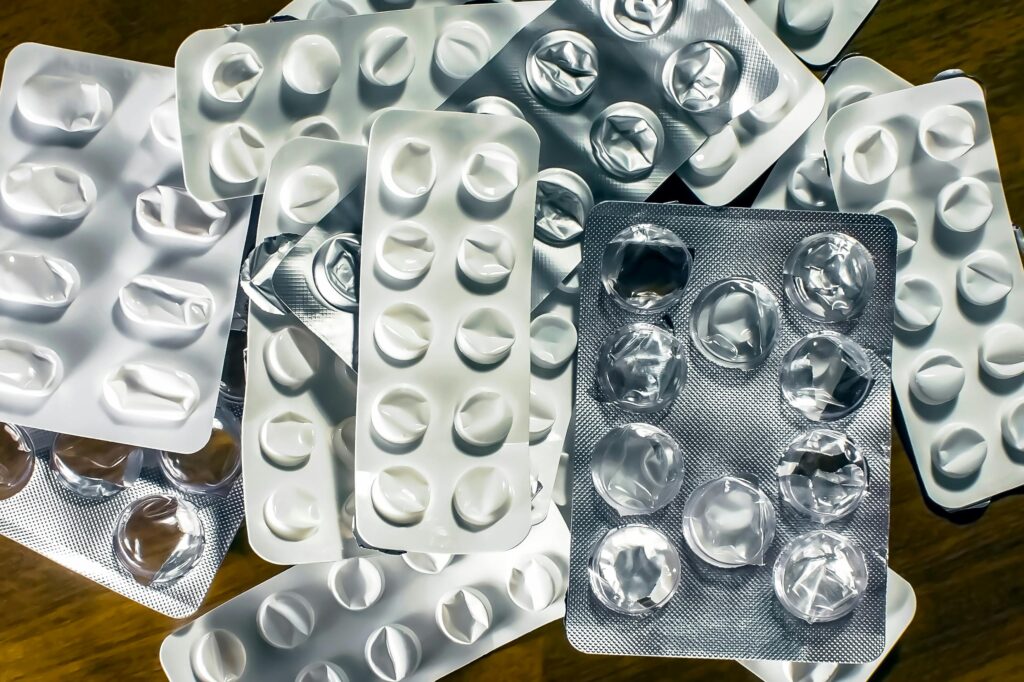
x: 150, y: 525
x: 621, y: 94
x: 732, y: 434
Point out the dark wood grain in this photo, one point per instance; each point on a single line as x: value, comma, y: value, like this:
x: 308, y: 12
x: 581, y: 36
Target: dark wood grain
x: 968, y: 570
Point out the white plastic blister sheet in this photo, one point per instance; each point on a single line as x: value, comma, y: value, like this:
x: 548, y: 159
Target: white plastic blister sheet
x: 116, y: 285
x: 245, y: 91
x: 442, y: 427
x: 816, y: 30
x: 925, y: 158
x: 733, y: 158
x: 415, y: 617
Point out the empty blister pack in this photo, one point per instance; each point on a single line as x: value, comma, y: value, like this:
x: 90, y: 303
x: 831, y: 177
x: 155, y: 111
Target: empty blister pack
x: 376, y: 616
x: 335, y: 9
x: 150, y: 525
x: 924, y: 157
x: 297, y: 429
x: 800, y: 179
x: 732, y: 411
x: 245, y: 91
x: 442, y: 427
x: 900, y: 606
x: 816, y: 30
x: 621, y: 94
x: 733, y: 158
x: 116, y: 285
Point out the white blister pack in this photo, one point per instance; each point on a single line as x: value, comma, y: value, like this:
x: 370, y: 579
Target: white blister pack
x: 376, y: 616
x: 335, y: 9
x: 816, y: 30
x: 442, y: 427
x: 245, y: 91
x: 900, y: 607
x: 116, y: 285
x: 296, y: 428
x: 924, y: 157
x: 733, y: 158
x: 800, y: 181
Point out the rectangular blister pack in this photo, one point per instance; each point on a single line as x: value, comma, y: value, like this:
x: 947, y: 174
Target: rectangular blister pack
x: 800, y: 181
x: 740, y: 358
x: 150, y: 525
x: 620, y: 99
x: 816, y: 30
x: 415, y: 617
x: 116, y: 286
x: 733, y: 158
x: 244, y: 91
x: 297, y: 427
x: 924, y: 157
x: 444, y: 333
x: 900, y: 607
x: 337, y: 9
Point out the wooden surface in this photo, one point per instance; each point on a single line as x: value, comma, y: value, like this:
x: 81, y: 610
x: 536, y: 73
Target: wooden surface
x: 968, y: 570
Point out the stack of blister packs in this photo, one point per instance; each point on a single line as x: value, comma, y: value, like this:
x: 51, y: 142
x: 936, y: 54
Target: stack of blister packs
x: 452, y: 224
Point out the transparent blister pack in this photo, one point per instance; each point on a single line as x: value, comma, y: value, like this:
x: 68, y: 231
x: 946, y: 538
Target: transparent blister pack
x: 243, y: 91
x: 442, y: 424
x: 621, y: 94
x: 816, y: 30
x: 297, y: 429
x: 900, y: 606
x: 925, y: 158
x: 378, y: 616
x: 800, y: 180
x: 336, y: 9
x: 733, y: 158
x: 116, y: 285
x: 730, y: 480
x: 151, y: 525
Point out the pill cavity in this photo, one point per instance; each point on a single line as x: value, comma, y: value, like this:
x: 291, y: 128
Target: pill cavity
x: 947, y: 132
x: 292, y: 357
x: 409, y: 169
x: 401, y: 415
x: 645, y: 386
x: 734, y: 323
x: 903, y: 217
x: 311, y: 65
x: 701, y: 76
x: 634, y: 569
x: 918, y: 304
x: 28, y: 370
x: 646, y: 267
x: 494, y: 106
x: 48, y: 191
x: 158, y: 539
x: 965, y: 205
x: 336, y: 270
x: 810, y: 186
x: 807, y: 17
x: 563, y: 202
x: 729, y: 522
x: 639, y: 20
x: 285, y: 620
x: 210, y: 470
x: 851, y: 94
x: 291, y: 513
x: 626, y: 140
x: 491, y: 173
x: 319, y: 127
x: 461, y: 49
x: 343, y: 441
x: 218, y: 656
x: 561, y: 68
x: 309, y: 193
x: 936, y: 377
x: 552, y: 341
x: 820, y: 576
x: 36, y: 279
x: 485, y: 336
x: 167, y: 304
x: 1002, y: 351
x: 356, y: 583
x: 429, y: 563
x: 146, y: 393
x: 402, y: 332
x: 637, y: 468
x: 74, y: 105
x: 825, y: 376
x: 959, y: 451
x: 94, y: 468
x: 486, y: 255
x: 172, y: 213
x: 237, y: 153
x: 232, y: 72
x: 829, y: 276
x: 387, y: 57
x: 17, y: 460
x: 482, y: 497
x: 405, y: 251
x: 716, y: 155
x: 483, y: 418
x: 464, y: 615
x: 984, y: 278
x: 535, y: 582
x: 287, y: 439
x: 400, y: 495
x: 393, y: 652
x: 870, y: 155
x: 321, y: 671
x: 543, y: 413
x: 164, y: 124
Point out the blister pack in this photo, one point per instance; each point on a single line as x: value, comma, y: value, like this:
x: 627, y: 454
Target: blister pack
x: 800, y: 180
x: 444, y: 333
x: 733, y: 158
x: 336, y: 9
x: 900, y: 606
x: 116, y: 285
x: 925, y: 158
x: 150, y: 525
x: 816, y: 30
x: 243, y: 91
x: 376, y: 616
x: 687, y: 69
x: 297, y: 429
x: 730, y: 492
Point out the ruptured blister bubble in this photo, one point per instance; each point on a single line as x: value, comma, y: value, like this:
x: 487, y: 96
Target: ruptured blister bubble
x: 701, y: 76
x: 158, y: 539
x: 231, y: 73
x: 829, y: 277
x: 822, y: 475
x: 734, y: 323
x: 729, y: 523
x: 641, y: 367
x: 563, y: 202
x: 17, y: 461
x: 810, y: 186
x: 634, y: 569
x: 336, y: 271
x: 826, y: 376
x: 94, y: 468
x: 210, y: 470
x: 646, y: 267
x: 637, y: 468
x: 464, y: 615
x: 626, y: 140
x: 561, y: 68
x: 639, y: 20
x: 820, y: 576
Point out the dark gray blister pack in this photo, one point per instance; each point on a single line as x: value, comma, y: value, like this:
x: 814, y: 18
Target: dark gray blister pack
x: 731, y: 421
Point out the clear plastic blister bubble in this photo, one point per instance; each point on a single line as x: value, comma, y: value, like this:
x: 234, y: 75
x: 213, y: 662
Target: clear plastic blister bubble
x: 826, y: 376
x: 158, y: 539
x: 822, y: 475
x: 637, y: 468
x: 17, y: 460
x: 94, y: 468
x: 820, y: 576
x: 641, y: 368
x: 734, y: 322
x: 829, y: 277
x: 646, y: 267
x: 729, y: 522
x: 634, y: 569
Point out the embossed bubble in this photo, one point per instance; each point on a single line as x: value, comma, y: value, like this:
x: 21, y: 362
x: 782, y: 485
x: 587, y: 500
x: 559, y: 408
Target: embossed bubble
x: 308, y: 194
x: 285, y: 620
x: 820, y: 576
x: 461, y: 49
x: 173, y: 214
x: 393, y: 652
x: 552, y: 341
x: 716, y: 155
x: 491, y: 173
x: 36, y: 279
x: 563, y: 203
x: 48, y: 191
x: 903, y: 217
x: 336, y: 271
x: 403, y: 332
x: 626, y: 140
x: 825, y: 376
x: 822, y: 475
x: 217, y: 656
x: 829, y: 277
x: 959, y: 451
x: 483, y: 418
x: 17, y: 460
x: 1002, y: 351
x: 464, y: 615
x: 634, y: 569
x: 387, y: 57
x: 409, y: 169
x: 947, y: 132
x: 701, y: 76
x: 143, y: 392
x: 965, y: 204
x: 405, y: 251
x: 401, y: 415
x: 482, y: 497
x: 163, y: 303
x: 164, y: 124
x: 936, y: 377
x: 311, y: 65
x: 918, y: 304
x: 734, y: 323
x: 1012, y: 424
x: 27, y: 370
x: 729, y: 522
x: 292, y: 357
x: 561, y: 68
x: 641, y: 367
x: 158, y: 539
x: 486, y: 255
x: 291, y: 513
x: 70, y: 104
x: 639, y: 19
x: 211, y: 470
x: 810, y: 186
x: 485, y: 336
x: 494, y: 106
x: 400, y: 495
x: 322, y: 671
x: 287, y: 439
x: 870, y: 155
x: 357, y: 583
x: 94, y: 468
x: 646, y: 267
x: 807, y: 17
x: 984, y: 278
x: 232, y: 72
x: 535, y: 582
x: 637, y: 468
x: 237, y: 153
x: 429, y: 563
